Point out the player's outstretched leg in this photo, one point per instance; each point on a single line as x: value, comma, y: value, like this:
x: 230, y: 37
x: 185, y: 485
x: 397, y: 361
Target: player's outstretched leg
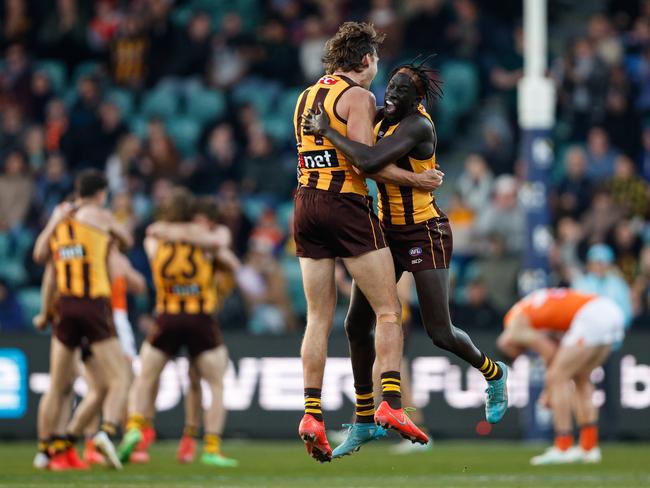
x: 358, y: 328
x: 433, y: 295
x: 374, y: 274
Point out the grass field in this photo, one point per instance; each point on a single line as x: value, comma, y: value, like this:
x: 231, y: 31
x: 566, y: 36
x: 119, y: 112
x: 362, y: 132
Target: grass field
x: 285, y: 464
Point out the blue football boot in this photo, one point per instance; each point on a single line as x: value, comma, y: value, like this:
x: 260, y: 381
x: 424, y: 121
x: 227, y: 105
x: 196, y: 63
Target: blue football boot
x: 358, y: 435
x: 497, y: 397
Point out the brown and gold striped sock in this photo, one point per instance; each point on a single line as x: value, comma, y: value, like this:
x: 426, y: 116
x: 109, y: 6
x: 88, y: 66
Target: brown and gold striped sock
x: 212, y: 444
x: 491, y: 370
x: 391, y: 391
x: 191, y: 431
x: 364, y: 404
x: 44, y: 446
x: 136, y: 421
x: 312, y: 403
x: 110, y: 428
x: 59, y: 444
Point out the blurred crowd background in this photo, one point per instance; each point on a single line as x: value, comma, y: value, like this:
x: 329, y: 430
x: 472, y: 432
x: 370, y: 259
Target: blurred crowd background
x: 202, y: 92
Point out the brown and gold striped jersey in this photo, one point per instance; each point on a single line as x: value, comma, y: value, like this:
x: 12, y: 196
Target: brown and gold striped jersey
x: 401, y: 205
x: 184, y: 277
x: 80, y: 255
x: 320, y: 164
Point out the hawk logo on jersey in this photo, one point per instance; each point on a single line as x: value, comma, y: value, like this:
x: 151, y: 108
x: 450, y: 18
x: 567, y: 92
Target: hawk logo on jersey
x: 318, y: 159
x: 327, y: 80
x: 75, y: 251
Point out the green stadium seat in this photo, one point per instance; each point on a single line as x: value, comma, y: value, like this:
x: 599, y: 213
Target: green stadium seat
x: 204, y: 105
x: 185, y: 132
x: 278, y: 127
x: 257, y: 94
x: 123, y: 99
x: 138, y: 126
x: 460, y: 85
x: 160, y: 103
x: 295, y: 290
x: 55, y: 71
x: 30, y: 300
x: 283, y: 214
x: 86, y: 68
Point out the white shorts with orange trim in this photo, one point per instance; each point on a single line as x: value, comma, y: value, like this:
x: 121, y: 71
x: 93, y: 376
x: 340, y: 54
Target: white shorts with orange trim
x: 599, y: 322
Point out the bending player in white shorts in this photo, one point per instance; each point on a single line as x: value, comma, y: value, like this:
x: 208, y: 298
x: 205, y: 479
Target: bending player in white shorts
x: 573, y: 332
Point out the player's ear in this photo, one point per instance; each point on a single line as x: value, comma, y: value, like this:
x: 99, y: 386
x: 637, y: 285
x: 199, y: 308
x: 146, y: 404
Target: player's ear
x: 366, y: 60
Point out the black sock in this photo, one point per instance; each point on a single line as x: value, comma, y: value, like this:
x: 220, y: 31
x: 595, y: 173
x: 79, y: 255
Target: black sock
x: 312, y: 403
x: 391, y: 389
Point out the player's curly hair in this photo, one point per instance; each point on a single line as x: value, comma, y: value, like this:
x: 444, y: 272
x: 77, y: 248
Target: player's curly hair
x: 345, y: 51
x: 427, y: 80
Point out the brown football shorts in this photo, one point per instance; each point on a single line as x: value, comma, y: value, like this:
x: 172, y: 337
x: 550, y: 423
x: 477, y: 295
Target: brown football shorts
x: 199, y: 332
x: 83, y: 318
x: 422, y: 246
x: 332, y: 225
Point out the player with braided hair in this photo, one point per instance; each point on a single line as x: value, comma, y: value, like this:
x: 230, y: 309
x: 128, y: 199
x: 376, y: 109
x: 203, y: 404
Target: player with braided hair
x: 419, y: 237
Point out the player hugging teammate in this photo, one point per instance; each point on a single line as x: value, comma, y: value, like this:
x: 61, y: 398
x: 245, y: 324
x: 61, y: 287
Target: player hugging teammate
x: 84, y: 297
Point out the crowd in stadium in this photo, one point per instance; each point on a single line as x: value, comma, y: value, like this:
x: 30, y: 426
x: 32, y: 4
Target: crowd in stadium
x: 202, y: 93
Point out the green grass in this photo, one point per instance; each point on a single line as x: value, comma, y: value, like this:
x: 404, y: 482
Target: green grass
x: 285, y: 464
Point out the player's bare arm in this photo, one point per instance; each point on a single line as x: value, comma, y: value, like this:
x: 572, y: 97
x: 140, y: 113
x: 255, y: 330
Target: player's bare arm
x: 41, y: 251
x: 377, y: 160
x: 191, y: 233
x: 119, y: 265
x: 48, y: 292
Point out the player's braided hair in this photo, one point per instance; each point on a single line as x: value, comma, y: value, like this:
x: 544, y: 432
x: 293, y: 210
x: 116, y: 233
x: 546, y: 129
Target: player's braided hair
x: 426, y: 80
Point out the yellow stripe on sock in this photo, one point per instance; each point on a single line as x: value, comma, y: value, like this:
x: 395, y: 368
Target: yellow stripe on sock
x: 485, y: 364
x: 390, y: 388
x: 313, y: 410
x: 312, y: 399
x: 365, y: 413
x: 496, y: 370
x: 390, y: 380
x: 364, y: 396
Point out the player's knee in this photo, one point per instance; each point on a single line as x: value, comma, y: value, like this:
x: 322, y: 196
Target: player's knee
x: 389, y: 317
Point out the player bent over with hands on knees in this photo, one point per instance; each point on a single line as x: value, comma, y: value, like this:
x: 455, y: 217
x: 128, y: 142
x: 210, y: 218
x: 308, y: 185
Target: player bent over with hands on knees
x: 573, y: 333
x: 334, y: 219
x: 418, y: 235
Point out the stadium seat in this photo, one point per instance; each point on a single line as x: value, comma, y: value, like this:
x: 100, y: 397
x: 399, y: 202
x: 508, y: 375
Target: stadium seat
x: 159, y: 103
x: 55, y: 71
x: 185, y: 132
x: 138, y: 126
x: 123, y: 99
x: 204, y: 105
x: 291, y: 271
x: 30, y: 300
x: 283, y: 213
x: 260, y: 94
x: 86, y: 68
x: 460, y: 85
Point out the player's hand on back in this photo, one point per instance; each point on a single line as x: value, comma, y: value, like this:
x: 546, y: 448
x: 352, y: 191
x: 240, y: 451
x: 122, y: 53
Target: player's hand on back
x: 315, y: 123
x: 430, y: 180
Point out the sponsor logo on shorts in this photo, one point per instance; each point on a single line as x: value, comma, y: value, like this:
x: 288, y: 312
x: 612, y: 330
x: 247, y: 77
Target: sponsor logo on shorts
x: 416, y: 261
x: 318, y: 159
x: 415, y: 251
